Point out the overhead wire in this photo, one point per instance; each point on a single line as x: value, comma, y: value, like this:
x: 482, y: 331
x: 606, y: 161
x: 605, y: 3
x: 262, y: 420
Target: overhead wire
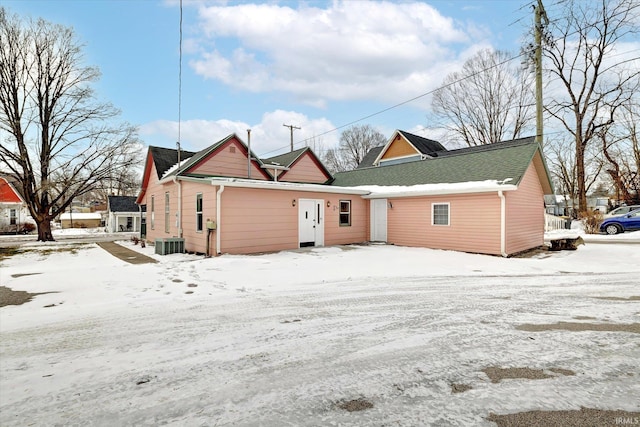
x: 443, y: 86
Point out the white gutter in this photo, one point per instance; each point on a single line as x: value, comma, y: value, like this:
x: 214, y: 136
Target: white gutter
x: 218, y: 215
x: 287, y: 186
x: 503, y: 223
x: 437, y: 192
x: 179, y: 224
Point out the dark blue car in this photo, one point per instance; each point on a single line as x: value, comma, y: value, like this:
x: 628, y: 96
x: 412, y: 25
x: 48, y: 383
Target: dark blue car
x: 622, y: 223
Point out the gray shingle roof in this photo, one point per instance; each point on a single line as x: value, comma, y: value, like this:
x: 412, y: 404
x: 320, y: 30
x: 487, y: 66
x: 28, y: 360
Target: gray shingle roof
x: 367, y: 160
x: 164, y: 158
x: 122, y: 204
x: 424, y: 145
x: 499, y: 161
x: 287, y: 158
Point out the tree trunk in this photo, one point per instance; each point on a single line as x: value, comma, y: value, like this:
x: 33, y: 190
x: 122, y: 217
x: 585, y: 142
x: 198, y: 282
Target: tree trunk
x: 580, y: 177
x: 44, y: 231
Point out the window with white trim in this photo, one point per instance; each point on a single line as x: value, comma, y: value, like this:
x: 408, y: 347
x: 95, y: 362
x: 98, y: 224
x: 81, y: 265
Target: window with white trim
x: 199, y: 212
x: 13, y: 216
x: 440, y: 214
x: 167, y: 219
x: 345, y: 213
x: 153, y: 212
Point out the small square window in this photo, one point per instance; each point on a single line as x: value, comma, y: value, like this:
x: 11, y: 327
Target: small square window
x: 440, y: 214
x: 345, y: 213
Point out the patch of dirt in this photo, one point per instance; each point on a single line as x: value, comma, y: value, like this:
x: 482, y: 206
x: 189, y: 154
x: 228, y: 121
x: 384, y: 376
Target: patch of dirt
x: 585, y: 417
x: 355, y: 405
x: 631, y: 298
x: 15, y: 276
x: 10, y: 297
x: 460, y: 388
x: 562, y: 371
x: 584, y: 318
x: 291, y: 321
x: 539, y: 252
x: 497, y: 374
x: 192, y: 285
x: 8, y: 252
x: 578, y: 327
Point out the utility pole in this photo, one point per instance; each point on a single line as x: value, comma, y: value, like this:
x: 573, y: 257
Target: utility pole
x: 291, y: 128
x: 540, y: 14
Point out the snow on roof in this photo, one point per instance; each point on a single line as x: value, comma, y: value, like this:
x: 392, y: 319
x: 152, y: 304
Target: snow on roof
x: 81, y: 215
x: 378, y: 191
x: 175, y: 166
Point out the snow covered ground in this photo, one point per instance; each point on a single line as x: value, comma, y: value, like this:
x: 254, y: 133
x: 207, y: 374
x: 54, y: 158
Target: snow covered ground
x: 285, y: 338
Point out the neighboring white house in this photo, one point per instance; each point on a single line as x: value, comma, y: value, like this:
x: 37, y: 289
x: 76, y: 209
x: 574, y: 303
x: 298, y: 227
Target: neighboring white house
x: 13, y: 209
x: 123, y: 214
x: 80, y: 220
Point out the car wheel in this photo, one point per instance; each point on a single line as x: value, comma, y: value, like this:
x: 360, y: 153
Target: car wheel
x: 612, y: 229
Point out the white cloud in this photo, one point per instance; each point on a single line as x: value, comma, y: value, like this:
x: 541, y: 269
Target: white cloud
x: 351, y: 50
x: 268, y: 138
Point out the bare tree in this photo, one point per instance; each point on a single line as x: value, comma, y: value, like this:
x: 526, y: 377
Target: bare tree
x: 354, y: 144
x: 621, y: 149
x: 58, y: 141
x: 488, y: 101
x: 595, y: 80
x: 562, y: 165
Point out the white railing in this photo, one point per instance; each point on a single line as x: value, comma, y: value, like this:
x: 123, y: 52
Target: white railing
x: 552, y: 222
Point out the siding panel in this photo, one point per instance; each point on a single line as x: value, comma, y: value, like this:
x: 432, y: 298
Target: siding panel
x: 305, y: 170
x: 474, y: 223
x: 228, y: 160
x: 525, y: 214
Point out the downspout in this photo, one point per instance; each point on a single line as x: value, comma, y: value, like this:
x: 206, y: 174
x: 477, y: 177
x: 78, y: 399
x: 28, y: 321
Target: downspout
x: 218, y: 215
x: 179, y: 224
x: 503, y: 223
x: 249, y: 153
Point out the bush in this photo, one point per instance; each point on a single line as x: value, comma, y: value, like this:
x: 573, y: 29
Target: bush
x: 591, y: 221
x: 27, y: 227
x: 22, y: 228
x: 135, y: 240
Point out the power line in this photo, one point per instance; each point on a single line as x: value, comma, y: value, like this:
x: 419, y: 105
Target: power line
x: 180, y: 85
x: 422, y: 95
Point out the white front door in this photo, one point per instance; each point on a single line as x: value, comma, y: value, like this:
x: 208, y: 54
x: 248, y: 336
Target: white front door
x: 310, y: 222
x: 378, y: 208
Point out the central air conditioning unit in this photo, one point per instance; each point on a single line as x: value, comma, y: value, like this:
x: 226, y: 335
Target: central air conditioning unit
x: 169, y: 245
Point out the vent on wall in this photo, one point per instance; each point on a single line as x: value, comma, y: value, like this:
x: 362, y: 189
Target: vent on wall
x: 166, y: 246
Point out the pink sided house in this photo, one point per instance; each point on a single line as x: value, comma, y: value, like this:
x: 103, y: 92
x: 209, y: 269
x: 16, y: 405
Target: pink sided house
x: 219, y: 201
x: 412, y: 191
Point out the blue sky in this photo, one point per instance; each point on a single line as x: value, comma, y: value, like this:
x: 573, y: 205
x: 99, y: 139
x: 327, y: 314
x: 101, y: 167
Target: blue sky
x: 318, y: 65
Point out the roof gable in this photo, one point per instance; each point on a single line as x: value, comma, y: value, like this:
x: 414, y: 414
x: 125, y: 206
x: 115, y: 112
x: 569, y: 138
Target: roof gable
x: 404, y: 145
x: 165, y: 158
x: 197, y: 165
x: 162, y: 159
x: 502, y: 161
x: 9, y: 191
x: 306, y: 167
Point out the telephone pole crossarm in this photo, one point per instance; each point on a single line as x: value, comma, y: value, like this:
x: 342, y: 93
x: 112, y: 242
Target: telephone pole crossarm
x: 291, y: 128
